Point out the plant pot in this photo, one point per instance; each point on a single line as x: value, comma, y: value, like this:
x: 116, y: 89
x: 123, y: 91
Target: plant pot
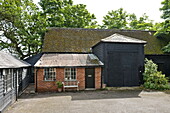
x: 59, y: 89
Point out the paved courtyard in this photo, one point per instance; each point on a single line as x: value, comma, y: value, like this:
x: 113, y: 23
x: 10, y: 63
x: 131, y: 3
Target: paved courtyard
x: 124, y: 101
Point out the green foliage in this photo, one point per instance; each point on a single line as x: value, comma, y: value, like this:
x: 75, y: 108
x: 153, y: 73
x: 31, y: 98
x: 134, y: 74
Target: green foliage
x: 164, y: 27
x: 120, y: 19
x: 166, y: 48
x: 143, y: 23
x: 165, y: 9
x: 59, y: 84
x: 62, y: 13
x: 150, y: 68
x: 22, y: 27
x: 23, y: 24
x: 157, y: 81
x: 154, y: 79
x: 115, y: 19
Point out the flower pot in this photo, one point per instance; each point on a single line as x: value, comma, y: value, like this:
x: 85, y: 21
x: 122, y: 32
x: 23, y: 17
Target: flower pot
x: 59, y: 89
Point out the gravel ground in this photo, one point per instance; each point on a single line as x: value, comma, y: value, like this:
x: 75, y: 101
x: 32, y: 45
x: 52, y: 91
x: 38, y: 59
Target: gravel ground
x: 118, y: 101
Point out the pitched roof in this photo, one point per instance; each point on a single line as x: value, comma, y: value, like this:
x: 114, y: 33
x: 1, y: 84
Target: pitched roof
x: 32, y: 60
x: 121, y: 39
x: 67, y: 60
x: 9, y: 61
x: 81, y: 40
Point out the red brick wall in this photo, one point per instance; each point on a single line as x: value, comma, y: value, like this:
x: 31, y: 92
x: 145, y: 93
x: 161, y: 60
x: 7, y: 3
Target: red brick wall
x: 97, y: 77
x: 44, y: 86
x: 48, y: 86
x: 60, y: 74
x: 81, y: 78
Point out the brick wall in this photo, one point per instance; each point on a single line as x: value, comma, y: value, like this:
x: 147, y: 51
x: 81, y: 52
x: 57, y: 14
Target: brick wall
x: 60, y: 74
x: 81, y: 78
x: 97, y: 77
x: 44, y: 86
x: 49, y: 86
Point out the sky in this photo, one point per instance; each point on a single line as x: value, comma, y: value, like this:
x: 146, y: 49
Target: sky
x: 101, y: 7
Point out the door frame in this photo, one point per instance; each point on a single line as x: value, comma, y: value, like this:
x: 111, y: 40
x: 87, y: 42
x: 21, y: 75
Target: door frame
x: 92, y: 85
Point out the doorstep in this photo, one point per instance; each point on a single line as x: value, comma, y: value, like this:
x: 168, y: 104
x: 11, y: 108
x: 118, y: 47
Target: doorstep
x: 90, y: 89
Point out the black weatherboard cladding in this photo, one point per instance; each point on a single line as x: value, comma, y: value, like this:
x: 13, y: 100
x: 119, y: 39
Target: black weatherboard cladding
x: 123, y: 63
x: 163, y: 62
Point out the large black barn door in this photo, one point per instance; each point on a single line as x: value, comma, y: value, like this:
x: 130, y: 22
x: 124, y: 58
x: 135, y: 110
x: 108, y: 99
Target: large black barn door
x: 122, y: 69
x: 89, y: 78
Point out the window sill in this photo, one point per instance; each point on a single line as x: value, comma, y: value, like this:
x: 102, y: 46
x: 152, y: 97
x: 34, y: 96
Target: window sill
x: 70, y: 80
x: 49, y: 80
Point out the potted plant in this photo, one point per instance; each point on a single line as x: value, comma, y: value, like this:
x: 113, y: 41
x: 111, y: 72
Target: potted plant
x: 59, y: 86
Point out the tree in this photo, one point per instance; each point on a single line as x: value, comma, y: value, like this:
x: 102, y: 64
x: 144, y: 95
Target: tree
x: 62, y: 13
x: 21, y: 27
x: 23, y: 24
x: 115, y: 19
x: 165, y: 9
x: 120, y: 19
x: 164, y: 27
x: 143, y: 23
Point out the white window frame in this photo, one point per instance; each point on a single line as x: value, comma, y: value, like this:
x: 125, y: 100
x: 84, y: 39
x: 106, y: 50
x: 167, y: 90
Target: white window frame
x: 8, y: 80
x: 72, y: 76
x: 50, y: 72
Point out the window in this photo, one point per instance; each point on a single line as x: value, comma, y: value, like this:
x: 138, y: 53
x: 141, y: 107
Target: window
x: 70, y: 74
x: 8, y: 80
x: 1, y: 74
x: 14, y: 78
x: 49, y: 74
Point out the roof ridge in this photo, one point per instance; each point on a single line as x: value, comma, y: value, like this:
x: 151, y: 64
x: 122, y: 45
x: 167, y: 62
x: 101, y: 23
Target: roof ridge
x: 116, y: 37
x: 119, y: 30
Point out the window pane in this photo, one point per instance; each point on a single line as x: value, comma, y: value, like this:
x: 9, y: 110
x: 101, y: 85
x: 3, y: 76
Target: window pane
x: 8, y: 74
x: 49, y: 74
x: 70, y: 74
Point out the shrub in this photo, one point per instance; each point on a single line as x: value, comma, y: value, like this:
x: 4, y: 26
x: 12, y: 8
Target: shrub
x: 150, y: 68
x: 154, y: 79
x: 59, y: 84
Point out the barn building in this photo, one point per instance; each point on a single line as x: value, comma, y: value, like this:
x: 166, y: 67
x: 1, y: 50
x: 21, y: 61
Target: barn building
x: 123, y: 58
x: 121, y: 51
